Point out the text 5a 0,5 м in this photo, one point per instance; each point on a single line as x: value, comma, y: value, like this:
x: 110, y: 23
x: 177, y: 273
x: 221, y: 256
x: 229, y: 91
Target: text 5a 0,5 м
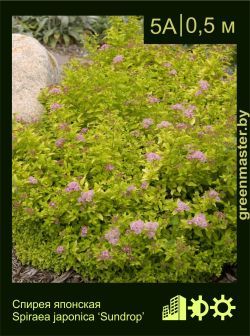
x: 190, y: 25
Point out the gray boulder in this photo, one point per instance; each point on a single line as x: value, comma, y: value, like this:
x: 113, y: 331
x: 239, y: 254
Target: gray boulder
x: 33, y: 68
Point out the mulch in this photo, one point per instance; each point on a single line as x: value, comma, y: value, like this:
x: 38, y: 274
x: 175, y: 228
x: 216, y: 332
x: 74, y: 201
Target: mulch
x: 28, y: 274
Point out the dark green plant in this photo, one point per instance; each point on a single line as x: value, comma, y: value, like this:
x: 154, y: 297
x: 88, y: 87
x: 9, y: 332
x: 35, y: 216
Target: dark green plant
x: 53, y: 30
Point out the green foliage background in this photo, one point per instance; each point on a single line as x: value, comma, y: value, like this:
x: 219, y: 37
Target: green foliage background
x: 63, y: 30
x: 112, y: 99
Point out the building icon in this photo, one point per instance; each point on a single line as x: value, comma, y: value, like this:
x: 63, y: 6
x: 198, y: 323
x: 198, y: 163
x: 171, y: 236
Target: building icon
x: 176, y: 311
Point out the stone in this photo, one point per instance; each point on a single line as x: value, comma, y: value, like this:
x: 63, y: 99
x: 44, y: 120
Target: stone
x: 33, y: 68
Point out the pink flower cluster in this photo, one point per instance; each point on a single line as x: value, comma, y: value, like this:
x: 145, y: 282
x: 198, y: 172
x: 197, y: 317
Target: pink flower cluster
x: 198, y: 93
x: 72, y: 186
x: 113, y: 236
x: 104, y: 255
x: 19, y: 118
x: 109, y: 167
x: 164, y: 124
x: 181, y: 126
x: 55, y: 90
x: 214, y: 195
x: 64, y: 126
x: 189, y: 111
x: 32, y: 180
x: 200, y: 134
x: 153, y: 100
x: 118, y: 59
x: 131, y: 188
x: 60, y: 249
x: 197, y: 155
x: 137, y: 226
x: 55, y: 106
x: 60, y: 142
x: 167, y: 65
x: 220, y: 214
x: 127, y: 249
x: 173, y: 72
x: 199, y: 220
x: 152, y: 157
x: 84, y: 130
x: 144, y: 185
x: 181, y: 206
x: 177, y: 106
x: 149, y: 227
x: 204, y: 85
x: 84, y: 231
x: 104, y: 46
x: 86, y: 196
x: 147, y: 122
x: 80, y: 137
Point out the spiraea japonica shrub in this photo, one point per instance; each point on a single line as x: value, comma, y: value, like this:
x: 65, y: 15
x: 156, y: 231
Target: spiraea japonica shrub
x: 130, y: 175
